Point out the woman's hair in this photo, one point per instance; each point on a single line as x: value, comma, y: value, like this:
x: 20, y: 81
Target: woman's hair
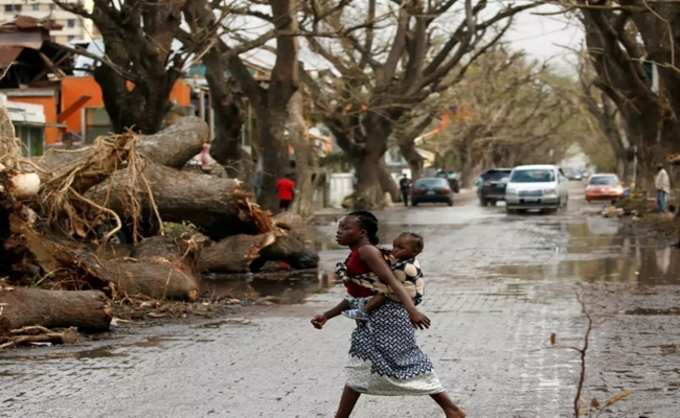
x: 369, y: 222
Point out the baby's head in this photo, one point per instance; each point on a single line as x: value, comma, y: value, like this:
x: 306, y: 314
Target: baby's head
x: 407, y: 245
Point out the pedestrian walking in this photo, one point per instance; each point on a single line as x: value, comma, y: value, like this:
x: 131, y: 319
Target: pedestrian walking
x: 285, y: 189
x: 384, y: 356
x: 405, y: 188
x: 663, y: 189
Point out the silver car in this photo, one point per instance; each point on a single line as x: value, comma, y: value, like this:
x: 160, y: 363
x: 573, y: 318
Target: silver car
x: 543, y: 187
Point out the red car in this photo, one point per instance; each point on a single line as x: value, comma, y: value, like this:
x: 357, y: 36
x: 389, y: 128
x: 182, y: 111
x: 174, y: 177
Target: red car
x: 604, y: 187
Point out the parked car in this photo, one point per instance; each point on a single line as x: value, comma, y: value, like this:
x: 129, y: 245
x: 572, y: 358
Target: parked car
x: 542, y: 187
x: 573, y: 174
x: 452, y: 178
x: 604, y: 186
x: 491, y: 187
x: 431, y: 189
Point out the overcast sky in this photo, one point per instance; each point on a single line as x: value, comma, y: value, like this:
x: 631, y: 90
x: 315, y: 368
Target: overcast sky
x: 544, y: 37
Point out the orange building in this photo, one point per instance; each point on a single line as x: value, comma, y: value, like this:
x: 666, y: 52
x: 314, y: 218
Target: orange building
x: 75, y: 104
x: 48, y: 98
x: 81, y: 96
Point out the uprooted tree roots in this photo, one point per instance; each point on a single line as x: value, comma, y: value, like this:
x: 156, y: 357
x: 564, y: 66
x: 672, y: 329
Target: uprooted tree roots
x: 91, y: 220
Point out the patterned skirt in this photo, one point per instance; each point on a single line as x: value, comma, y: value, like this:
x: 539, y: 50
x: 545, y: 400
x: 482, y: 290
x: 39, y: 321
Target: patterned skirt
x: 385, y: 358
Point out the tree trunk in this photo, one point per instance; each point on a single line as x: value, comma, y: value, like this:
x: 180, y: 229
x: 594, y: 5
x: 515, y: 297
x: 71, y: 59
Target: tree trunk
x: 414, y: 159
x: 89, y: 310
x: 273, y: 149
x: 234, y: 254
x: 226, y: 146
x: 466, y: 163
x: 218, y: 206
x: 306, y: 164
x: 156, y: 277
x: 387, y: 183
x: 369, y: 192
x: 173, y: 146
x: 142, y: 108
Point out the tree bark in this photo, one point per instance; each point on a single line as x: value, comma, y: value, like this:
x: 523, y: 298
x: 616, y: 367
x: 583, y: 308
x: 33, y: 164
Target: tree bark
x: 138, y: 43
x: 414, y: 159
x: 226, y: 145
x: 218, y: 206
x: 173, y: 146
x: 156, y: 277
x: 89, y: 310
x: 234, y: 254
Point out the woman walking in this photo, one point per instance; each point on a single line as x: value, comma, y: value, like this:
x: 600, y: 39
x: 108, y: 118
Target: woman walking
x: 384, y: 356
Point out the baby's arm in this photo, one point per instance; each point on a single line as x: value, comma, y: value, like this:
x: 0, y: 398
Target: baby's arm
x: 375, y: 301
x: 319, y: 320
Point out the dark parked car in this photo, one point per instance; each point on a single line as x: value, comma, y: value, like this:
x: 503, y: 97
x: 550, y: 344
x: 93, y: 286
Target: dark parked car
x: 491, y: 187
x: 452, y: 178
x: 431, y: 189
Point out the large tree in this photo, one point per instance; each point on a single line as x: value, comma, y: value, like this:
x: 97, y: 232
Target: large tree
x: 507, y: 111
x: 388, y: 57
x: 624, y: 37
x: 275, y: 103
x: 141, y: 66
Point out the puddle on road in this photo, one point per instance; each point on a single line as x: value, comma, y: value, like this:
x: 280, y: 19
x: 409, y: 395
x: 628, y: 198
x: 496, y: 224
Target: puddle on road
x: 287, y: 289
x: 641, y: 265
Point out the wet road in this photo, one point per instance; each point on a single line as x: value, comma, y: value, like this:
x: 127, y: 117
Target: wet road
x: 498, y: 286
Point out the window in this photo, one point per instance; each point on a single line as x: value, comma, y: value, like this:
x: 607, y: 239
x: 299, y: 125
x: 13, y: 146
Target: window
x: 8, y: 8
x: 52, y: 6
x: 35, y: 7
x: 71, y: 23
x: 70, y: 38
x: 533, y: 176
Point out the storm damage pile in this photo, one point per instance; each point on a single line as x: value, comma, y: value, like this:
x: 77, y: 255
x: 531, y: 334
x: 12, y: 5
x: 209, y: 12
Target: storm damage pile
x: 81, y: 229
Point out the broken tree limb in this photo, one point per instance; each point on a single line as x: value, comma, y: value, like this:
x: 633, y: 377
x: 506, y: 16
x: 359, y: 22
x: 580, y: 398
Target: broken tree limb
x: 234, y: 254
x: 88, y: 310
x: 172, y: 146
x: 218, y: 206
x: 38, y: 335
x: 156, y: 277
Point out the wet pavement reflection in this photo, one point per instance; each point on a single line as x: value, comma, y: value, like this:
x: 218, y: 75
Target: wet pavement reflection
x: 497, y: 286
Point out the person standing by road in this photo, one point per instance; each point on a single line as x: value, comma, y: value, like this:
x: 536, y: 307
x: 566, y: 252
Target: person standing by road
x: 285, y: 189
x: 384, y: 356
x: 405, y: 187
x: 663, y: 189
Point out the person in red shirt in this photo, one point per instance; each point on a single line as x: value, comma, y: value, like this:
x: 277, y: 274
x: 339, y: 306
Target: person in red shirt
x: 285, y: 189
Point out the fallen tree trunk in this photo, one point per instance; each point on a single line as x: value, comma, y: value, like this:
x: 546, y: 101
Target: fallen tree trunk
x: 290, y: 249
x: 293, y: 246
x: 173, y: 146
x: 72, y: 264
x: 234, y: 254
x: 88, y: 310
x: 156, y: 277
x: 218, y: 206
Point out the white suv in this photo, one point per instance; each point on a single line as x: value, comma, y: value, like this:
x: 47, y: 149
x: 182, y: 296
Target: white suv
x: 536, y: 187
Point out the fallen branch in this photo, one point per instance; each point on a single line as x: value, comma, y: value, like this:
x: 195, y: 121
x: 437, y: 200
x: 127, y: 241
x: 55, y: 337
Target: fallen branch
x: 39, y: 335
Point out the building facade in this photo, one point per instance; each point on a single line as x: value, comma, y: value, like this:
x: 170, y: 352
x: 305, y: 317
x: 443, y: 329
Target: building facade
x: 73, y: 26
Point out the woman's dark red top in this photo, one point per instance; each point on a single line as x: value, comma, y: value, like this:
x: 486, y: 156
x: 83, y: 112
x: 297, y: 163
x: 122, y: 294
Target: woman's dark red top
x: 355, y: 265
